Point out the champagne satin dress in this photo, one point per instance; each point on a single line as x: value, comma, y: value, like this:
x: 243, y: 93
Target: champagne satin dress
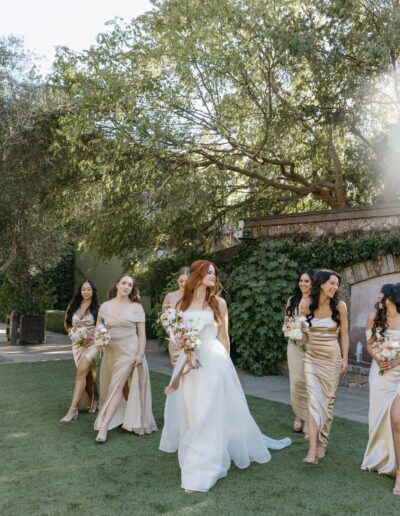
x: 135, y: 413
x: 298, y: 391
x: 380, y: 454
x: 322, y: 364
x: 89, y: 351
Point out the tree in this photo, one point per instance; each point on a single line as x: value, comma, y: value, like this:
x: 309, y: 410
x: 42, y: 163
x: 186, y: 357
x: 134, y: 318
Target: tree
x: 257, y: 106
x: 30, y: 230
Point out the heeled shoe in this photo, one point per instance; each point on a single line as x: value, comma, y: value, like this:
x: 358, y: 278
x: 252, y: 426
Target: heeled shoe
x: 297, y: 425
x: 321, y: 452
x: 101, y: 438
x: 93, y: 407
x: 396, y: 490
x: 309, y: 460
x: 71, y: 415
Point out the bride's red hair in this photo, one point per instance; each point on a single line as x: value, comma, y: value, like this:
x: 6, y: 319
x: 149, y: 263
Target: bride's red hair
x: 198, y: 270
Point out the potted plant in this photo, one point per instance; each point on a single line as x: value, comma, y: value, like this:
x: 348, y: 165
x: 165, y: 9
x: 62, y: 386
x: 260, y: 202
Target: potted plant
x: 28, y: 294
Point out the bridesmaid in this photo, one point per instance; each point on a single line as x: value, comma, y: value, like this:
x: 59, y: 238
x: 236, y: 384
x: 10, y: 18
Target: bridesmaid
x: 323, y: 361
x: 383, y: 449
x: 125, y: 394
x: 171, y: 299
x: 297, y: 305
x: 82, y: 313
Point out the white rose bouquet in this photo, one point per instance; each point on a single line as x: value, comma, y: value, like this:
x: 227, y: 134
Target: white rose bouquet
x: 294, y: 329
x: 101, y: 336
x: 79, y: 335
x: 386, y: 349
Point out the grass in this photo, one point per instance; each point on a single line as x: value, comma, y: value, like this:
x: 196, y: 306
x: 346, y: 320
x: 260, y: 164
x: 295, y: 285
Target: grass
x: 52, y: 469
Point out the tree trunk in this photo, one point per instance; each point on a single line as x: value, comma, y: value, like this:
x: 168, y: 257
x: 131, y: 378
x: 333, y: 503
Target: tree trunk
x: 337, y: 167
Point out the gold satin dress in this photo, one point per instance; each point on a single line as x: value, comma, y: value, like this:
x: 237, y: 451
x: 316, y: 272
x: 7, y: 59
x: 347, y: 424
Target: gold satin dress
x: 89, y: 351
x: 134, y: 414
x: 322, y: 365
x: 173, y: 349
x: 298, y: 391
x: 380, y: 454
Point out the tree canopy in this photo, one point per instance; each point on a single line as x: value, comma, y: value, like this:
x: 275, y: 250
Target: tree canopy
x: 179, y: 122
x: 200, y: 112
x: 32, y: 235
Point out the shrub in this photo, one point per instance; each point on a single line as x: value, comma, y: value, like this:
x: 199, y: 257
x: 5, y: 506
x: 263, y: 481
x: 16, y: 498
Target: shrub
x: 257, y: 290
x: 55, y: 321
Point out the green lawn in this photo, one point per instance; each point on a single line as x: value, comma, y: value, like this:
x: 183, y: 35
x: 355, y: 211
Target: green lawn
x: 52, y: 469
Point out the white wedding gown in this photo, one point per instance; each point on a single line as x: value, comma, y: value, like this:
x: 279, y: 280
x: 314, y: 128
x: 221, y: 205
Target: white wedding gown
x: 207, y: 419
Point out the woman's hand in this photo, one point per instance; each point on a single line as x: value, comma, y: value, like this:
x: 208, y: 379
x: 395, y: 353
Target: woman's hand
x: 178, y: 340
x: 345, y: 366
x: 385, y: 365
x: 90, y: 336
x: 138, y: 360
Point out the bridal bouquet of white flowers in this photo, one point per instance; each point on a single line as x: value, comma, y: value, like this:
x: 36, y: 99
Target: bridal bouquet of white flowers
x: 386, y: 349
x: 78, y: 335
x: 294, y: 329
x: 101, y: 336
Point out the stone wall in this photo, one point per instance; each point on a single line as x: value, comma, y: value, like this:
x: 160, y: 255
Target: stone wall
x: 313, y: 225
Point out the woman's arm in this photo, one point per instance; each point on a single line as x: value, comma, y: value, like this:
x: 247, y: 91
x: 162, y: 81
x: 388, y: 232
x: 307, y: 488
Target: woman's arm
x: 344, y: 335
x: 167, y: 301
x: 141, y: 332
x: 223, y: 333
x: 372, y: 338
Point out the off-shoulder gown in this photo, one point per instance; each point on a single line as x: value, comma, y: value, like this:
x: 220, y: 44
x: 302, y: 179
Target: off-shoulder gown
x: 134, y: 414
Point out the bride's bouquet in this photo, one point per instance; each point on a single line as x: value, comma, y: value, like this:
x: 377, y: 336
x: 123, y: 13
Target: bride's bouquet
x: 386, y: 349
x: 293, y: 328
x: 186, y: 334
x: 101, y: 336
x: 78, y: 335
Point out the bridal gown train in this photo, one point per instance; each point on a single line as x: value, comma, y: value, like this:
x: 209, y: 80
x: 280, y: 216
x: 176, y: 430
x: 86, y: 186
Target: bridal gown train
x: 207, y: 419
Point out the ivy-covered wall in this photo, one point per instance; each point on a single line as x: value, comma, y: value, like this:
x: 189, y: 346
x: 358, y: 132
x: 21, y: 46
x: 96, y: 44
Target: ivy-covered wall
x: 262, y: 276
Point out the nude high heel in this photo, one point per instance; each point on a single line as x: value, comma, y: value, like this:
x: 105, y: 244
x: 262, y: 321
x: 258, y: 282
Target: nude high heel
x: 308, y: 459
x: 101, y: 438
x: 71, y: 415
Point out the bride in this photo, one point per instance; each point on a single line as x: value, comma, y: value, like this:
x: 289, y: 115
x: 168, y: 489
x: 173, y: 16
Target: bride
x: 207, y: 418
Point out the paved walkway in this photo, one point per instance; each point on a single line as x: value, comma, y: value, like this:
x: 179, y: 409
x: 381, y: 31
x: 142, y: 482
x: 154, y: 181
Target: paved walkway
x: 351, y: 403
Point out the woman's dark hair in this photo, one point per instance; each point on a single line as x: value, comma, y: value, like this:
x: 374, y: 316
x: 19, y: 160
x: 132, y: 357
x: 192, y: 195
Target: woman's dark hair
x: 76, y: 302
x: 390, y: 291
x: 295, y: 298
x: 320, y: 278
x: 134, y: 296
x: 183, y: 271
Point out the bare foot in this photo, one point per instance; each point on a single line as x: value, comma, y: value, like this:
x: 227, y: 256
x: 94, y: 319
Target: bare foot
x: 189, y: 491
x: 396, y: 489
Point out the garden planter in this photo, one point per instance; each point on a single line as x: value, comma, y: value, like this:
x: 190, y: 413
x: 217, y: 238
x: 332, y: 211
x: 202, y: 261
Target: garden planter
x: 31, y: 329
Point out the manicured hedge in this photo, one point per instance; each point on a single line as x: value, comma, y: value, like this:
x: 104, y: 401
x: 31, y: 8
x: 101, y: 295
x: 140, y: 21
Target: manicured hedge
x: 55, y: 321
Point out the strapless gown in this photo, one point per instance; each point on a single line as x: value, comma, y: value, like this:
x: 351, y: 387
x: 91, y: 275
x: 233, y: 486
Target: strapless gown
x: 207, y: 419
